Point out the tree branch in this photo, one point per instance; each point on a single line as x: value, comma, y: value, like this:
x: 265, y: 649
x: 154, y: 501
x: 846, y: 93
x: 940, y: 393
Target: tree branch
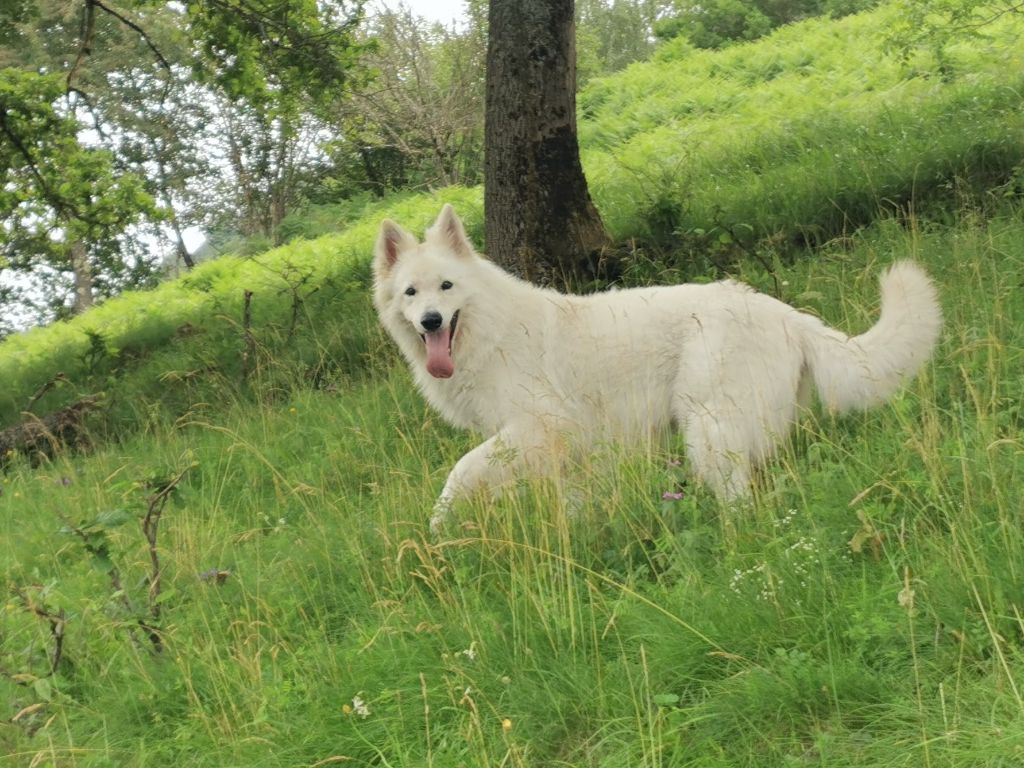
x: 89, y: 30
x: 150, y: 526
x: 61, y: 205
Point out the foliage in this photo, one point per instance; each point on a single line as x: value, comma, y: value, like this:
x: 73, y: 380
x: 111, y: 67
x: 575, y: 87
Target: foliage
x: 417, y: 120
x: 802, y: 136
x: 721, y: 22
x: 611, y: 34
x: 278, y: 70
x: 249, y: 131
x: 55, y: 192
x: 862, y: 610
x: 255, y: 49
x: 935, y: 24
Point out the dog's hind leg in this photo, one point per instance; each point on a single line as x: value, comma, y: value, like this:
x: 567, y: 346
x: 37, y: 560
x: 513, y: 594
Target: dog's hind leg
x: 733, y: 407
x: 528, y: 447
x: 716, y: 449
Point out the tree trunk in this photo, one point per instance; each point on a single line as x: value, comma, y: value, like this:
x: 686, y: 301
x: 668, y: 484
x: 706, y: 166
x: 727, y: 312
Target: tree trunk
x: 179, y: 237
x: 82, y: 271
x: 540, y: 221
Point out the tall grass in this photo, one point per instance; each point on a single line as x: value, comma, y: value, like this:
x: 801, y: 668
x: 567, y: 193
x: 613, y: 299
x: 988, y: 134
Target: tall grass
x: 801, y: 136
x: 863, y: 610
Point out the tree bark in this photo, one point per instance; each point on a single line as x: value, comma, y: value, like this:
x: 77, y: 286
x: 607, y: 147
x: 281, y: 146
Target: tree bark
x: 82, y: 271
x: 539, y: 219
x: 179, y: 238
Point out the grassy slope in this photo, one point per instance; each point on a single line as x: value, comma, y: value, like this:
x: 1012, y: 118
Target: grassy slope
x: 609, y: 627
x: 194, y: 324
x: 801, y: 135
x: 864, y: 611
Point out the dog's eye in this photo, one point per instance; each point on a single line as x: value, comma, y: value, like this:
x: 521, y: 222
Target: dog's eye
x: 410, y: 291
x: 446, y: 285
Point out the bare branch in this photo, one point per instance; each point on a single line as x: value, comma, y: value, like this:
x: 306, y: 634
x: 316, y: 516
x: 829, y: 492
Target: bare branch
x: 150, y: 526
x: 88, y: 33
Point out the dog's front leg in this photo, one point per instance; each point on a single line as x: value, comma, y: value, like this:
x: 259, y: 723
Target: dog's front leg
x: 494, y: 463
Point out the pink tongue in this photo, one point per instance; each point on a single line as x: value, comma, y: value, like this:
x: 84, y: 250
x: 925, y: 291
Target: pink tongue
x: 439, y: 358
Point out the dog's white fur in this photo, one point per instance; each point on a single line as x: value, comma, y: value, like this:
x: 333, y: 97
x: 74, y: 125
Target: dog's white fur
x: 543, y: 372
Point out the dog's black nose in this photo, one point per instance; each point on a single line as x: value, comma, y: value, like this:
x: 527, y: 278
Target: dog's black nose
x: 431, y: 321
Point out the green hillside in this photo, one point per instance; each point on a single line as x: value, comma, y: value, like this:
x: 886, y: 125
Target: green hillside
x: 864, y: 610
x: 804, y: 135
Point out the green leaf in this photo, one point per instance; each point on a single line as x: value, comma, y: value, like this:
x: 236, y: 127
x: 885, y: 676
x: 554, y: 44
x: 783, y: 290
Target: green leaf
x: 665, y: 699
x: 112, y: 518
x: 164, y: 596
x: 42, y: 688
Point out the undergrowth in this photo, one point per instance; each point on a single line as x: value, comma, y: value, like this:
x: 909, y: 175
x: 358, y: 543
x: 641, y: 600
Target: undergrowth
x: 802, y: 136
x: 862, y: 610
x: 238, y: 571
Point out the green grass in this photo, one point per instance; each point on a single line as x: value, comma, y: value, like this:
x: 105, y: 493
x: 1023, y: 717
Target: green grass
x: 863, y: 610
x: 608, y: 627
x: 801, y: 136
x: 155, y: 343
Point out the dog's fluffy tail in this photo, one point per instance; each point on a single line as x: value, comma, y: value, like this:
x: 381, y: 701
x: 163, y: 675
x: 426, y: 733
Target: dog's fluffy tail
x: 860, y: 371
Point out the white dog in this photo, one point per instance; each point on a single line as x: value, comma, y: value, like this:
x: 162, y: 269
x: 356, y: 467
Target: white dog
x: 544, y: 373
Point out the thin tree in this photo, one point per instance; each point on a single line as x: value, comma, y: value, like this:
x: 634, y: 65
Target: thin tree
x: 539, y: 219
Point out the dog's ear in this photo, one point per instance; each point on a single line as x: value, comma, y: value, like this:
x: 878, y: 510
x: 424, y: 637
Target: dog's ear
x: 449, y: 231
x: 391, y: 241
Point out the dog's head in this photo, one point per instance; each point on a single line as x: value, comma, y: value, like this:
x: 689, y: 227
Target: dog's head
x: 422, y: 289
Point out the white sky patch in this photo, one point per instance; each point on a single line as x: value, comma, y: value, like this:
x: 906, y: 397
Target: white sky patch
x: 193, y: 237
x: 444, y: 11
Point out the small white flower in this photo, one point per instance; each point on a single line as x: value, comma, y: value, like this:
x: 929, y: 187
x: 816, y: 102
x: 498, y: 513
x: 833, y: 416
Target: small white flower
x: 359, y: 707
x: 469, y: 653
x: 906, y: 598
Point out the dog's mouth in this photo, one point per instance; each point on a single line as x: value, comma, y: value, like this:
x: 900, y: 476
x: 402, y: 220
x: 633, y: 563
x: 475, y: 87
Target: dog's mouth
x: 440, y: 364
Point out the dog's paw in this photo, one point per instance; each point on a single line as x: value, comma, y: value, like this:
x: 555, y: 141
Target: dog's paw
x: 439, y: 516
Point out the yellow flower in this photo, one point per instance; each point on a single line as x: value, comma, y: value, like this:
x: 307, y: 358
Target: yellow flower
x: 346, y: 709
x: 293, y: 410
x: 506, y: 725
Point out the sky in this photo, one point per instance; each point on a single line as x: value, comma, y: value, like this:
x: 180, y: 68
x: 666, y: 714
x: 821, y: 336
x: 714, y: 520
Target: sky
x: 444, y: 11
